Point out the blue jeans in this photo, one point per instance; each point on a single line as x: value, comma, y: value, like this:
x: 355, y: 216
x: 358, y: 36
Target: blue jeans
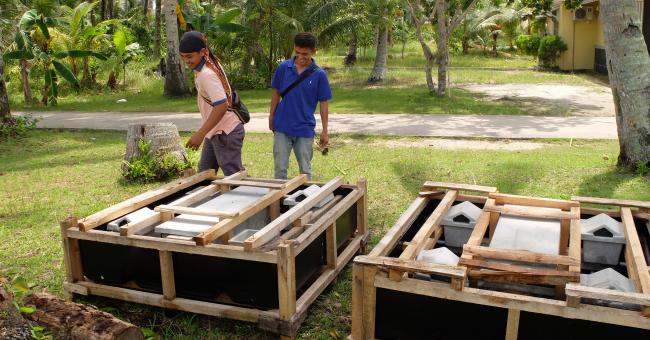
x: 302, y: 148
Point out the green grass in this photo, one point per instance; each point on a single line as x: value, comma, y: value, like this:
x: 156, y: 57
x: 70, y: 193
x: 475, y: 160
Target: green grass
x: 403, y: 91
x: 54, y: 174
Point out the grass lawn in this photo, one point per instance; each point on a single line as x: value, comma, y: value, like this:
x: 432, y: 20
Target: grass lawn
x: 403, y: 91
x: 54, y: 174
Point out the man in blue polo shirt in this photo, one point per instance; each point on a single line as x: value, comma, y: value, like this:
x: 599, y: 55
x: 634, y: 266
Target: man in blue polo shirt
x: 298, y: 85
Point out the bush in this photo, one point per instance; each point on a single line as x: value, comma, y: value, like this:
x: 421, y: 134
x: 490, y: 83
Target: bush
x: 16, y: 126
x: 147, y: 167
x: 528, y: 44
x: 550, y: 48
x: 248, y: 81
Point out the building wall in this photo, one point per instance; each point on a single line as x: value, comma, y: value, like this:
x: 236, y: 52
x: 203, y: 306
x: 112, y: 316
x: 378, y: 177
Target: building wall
x: 588, y: 34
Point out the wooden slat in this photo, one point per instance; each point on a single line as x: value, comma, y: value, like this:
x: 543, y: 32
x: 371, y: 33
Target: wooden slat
x: 249, y: 183
x: 195, y: 211
x: 478, y: 233
x: 533, y: 201
x: 167, y: 274
x: 226, y: 225
x: 357, y: 302
x: 411, y: 266
x: 71, y: 253
x: 286, y: 280
x: 531, y: 212
x: 141, y: 226
x: 389, y: 241
x: 330, y: 246
x: 575, y: 240
x: 142, y: 200
x: 510, y: 277
x: 612, y: 201
x: 273, y: 229
x: 576, y: 290
x: 638, y: 266
x: 196, y: 196
x: 369, y: 302
x: 512, y: 327
x: 515, y: 269
x: 362, y: 210
x: 519, y: 255
x: 458, y: 187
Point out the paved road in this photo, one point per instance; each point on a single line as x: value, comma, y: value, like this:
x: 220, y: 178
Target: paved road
x: 489, y: 126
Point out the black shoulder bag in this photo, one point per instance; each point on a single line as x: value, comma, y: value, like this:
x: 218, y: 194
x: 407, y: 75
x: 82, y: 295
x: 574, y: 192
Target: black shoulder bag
x: 302, y: 77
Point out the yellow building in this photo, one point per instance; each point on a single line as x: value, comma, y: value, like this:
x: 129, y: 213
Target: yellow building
x: 582, y: 30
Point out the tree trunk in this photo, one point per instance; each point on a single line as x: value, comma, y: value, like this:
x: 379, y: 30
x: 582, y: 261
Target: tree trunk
x: 163, y: 139
x: 443, y: 48
x: 351, y: 57
x: 24, y: 76
x: 69, y: 320
x: 254, y: 50
x: 175, y: 84
x: 156, y: 37
x: 628, y: 64
x: 428, y: 55
x: 378, y: 72
x: 145, y: 10
x: 87, y: 80
x: 494, y: 43
x: 4, y: 97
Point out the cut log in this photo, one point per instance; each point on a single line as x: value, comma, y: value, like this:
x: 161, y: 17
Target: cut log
x: 12, y: 324
x: 76, y: 321
x: 163, y: 139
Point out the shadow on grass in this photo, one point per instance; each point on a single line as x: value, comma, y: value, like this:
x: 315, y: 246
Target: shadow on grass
x: 605, y: 184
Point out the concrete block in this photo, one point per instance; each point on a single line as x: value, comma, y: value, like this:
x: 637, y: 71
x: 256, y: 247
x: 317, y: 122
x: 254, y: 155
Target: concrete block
x: 186, y: 225
x: 440, y: 255
x: 133, y: 217
x: 602, y: 239
x: 300, y: 195
x: 459, y: 222
x: 238, y: 240
x: 534, y: 235
x: 607, y: 278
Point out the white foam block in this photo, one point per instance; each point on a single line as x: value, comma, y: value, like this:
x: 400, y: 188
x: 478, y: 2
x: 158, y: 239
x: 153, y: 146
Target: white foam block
x: 531, y: 234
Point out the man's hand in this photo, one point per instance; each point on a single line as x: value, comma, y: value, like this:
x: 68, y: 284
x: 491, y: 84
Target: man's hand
x: 195, y: 141
x: 271, y: 123
x: 324, y: 139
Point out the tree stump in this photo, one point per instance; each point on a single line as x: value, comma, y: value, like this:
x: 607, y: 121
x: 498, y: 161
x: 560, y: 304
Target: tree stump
x: 164, y: 139
x: 69, y: 320
x: 12, y: 324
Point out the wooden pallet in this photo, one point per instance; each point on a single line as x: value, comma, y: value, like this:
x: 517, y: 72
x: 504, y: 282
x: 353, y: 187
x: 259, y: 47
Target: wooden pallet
x: 387, y: 269
x: 279, y: 243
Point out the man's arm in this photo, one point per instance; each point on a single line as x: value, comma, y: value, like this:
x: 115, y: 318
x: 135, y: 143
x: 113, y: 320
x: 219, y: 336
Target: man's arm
x: 324, y: 113
x: 275, y: 99
x: 215, y: 116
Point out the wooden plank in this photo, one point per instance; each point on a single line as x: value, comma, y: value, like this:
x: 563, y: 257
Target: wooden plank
x: 71, y: 253
x: 478, y: 233
x: 72, y: 288
x: 369, y: 302
x: 226, y: 225
x: 576, y: 290
x: 141, y: 226
x: 196, y: 196
x: 510, y: 277
x: 389, y: 241
x: 515, y: 269
x: 249, y: 183
x: 330, y: 246
x: 638, y: 268
x: 612, y: 201
x: 362, y: 208
x: 315, y: 214
x: 519, y: 255
x: 219, y: 250
x: 458, y: 187
x: 531, y: 212
x: 142, y: 200
x: 286, y: 280
x: 167, y: 274
x: 494, y: 220
x: 195, y: 211
x: 357, y: 301
x: 411, y: 266
x: 575, y: 241
x: 563, y: 246
x: 187, y: 305
x: 512, y: 327
x: 502, y: 199
x: 517, y: 301
x: 273, y: 229
x: 430, y: 225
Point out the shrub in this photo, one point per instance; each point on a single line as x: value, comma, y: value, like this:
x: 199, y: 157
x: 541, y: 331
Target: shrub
x: 147, y: 167
x: 252, y: 81
x: 16, y: 126
x: 528, y: 44
x: 550, y: 48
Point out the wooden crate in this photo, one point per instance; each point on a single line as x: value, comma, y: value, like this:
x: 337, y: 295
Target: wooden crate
x: 390, y: 298
x: 271, y: 280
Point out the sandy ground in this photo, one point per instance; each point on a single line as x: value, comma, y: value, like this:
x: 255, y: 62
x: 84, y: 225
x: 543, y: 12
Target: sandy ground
x: 454, y: 144
x: 554, y: 100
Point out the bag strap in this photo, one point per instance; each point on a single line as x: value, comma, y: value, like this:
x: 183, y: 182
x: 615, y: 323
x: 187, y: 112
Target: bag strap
x: 303, y: 76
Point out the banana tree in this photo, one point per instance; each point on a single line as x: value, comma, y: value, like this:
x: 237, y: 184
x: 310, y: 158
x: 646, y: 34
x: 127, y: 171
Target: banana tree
x: 124, y: 53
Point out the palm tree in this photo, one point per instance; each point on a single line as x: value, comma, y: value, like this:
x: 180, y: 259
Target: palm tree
x: 4, y: 98
x: 475, y: 26
x: 175, y: 84
x: 334, y: 20
x: 156, y: 36
x: 379, y: 14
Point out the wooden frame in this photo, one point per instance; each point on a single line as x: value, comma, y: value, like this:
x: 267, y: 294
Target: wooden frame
x: 275, y: 246
x: 397, y: 274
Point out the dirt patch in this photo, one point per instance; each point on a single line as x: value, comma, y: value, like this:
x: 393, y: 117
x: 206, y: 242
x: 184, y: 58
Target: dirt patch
x: 461, y: 144
x: 553, y: 100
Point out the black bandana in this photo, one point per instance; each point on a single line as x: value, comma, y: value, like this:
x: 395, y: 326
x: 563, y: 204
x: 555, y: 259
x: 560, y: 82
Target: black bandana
x: 191, y: 42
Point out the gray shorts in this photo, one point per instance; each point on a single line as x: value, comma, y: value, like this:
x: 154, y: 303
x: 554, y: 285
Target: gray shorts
x: 223, y: 150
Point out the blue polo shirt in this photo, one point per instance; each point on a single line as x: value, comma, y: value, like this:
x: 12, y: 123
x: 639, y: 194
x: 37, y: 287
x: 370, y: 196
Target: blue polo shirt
x: 294, y: 115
